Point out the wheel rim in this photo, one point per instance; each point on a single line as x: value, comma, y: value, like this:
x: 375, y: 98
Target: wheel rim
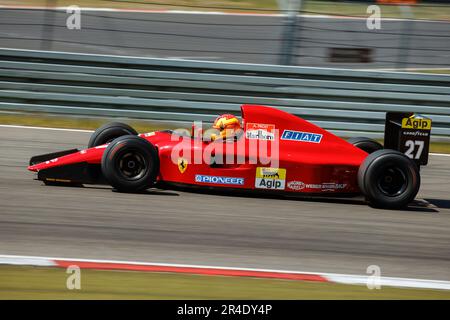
x: 132, y: 165
x: 392, y: 181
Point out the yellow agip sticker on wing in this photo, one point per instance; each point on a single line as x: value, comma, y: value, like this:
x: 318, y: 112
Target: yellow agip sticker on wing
x: 416, y: 123
x: 270, y: 178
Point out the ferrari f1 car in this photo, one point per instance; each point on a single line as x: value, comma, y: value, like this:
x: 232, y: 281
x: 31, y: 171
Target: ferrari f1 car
x: 307, y: 160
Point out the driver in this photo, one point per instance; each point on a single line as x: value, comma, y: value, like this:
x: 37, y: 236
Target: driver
x: 228, y: 126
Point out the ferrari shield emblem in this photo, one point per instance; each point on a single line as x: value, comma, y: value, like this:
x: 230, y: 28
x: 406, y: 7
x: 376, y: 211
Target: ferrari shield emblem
x: 182, y: 164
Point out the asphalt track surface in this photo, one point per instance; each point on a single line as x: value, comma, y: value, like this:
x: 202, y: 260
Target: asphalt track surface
x: 235, y: 38
x: 339, y: 236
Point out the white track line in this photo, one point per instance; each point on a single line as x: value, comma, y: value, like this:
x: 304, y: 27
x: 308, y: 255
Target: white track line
x: 43, y: 128
x: 26, y: 261
x: 330, y: 277
x: 440, y: 154
x: 390, y: 281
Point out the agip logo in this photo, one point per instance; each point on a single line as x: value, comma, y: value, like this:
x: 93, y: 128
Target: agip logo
x: 416, y: 123
x: 270, y: 178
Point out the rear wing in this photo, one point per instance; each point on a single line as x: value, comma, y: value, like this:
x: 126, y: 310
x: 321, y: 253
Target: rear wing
x: 408, y: 133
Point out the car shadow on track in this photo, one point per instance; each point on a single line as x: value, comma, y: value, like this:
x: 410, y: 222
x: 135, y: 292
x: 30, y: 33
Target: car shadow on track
x: 421, y: 206
x: 415, y: 206
x: 426, y: 205
x: 440, y: 203
x: 155, y: 192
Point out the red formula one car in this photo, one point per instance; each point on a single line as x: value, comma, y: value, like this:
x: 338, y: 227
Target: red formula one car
x: 274, y: 152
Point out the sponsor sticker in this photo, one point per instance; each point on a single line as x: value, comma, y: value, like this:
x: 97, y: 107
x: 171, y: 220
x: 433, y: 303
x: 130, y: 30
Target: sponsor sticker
x: 52, y: 161
x: 416, y: 133
x: 219, y: 180
x: 296, y: 185
x: 324, y: 186
x: 260, y: 131
x: 301, y: 136
x: 270, y: 178
x: 416, y: 123
x: 182, y: 164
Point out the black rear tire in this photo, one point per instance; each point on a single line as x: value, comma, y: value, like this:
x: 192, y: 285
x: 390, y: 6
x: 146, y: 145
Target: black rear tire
x: 130, y: 164
x: 109, y: 132
x: 389, y: 179
x: 366, y: 144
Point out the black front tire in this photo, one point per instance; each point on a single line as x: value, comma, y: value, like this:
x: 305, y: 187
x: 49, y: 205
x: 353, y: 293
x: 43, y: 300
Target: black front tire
x: 389, y: 179
x: 109, y: 132
x: 130, y: 164
x: 366, y: 144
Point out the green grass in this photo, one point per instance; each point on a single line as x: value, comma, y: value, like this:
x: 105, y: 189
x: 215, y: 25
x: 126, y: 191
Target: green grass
x: 435, y: 71
x: 310, y: 6
x: 73, y: 122
x: 440, y: 147
x: 387, y: 11
x: 195, y: 5
x: 50, y: 283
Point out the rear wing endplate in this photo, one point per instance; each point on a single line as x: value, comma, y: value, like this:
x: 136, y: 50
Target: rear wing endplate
x: 408, y: 133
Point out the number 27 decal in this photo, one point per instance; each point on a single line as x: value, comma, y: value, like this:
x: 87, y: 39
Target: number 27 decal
x: 411, y: 145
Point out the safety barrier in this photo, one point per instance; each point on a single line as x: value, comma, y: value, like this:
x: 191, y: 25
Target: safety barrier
x: 347, y: 102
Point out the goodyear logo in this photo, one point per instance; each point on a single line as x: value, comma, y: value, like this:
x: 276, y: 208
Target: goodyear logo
x: 301, y: 136
x: 416, y: 123
x: 270, y: 178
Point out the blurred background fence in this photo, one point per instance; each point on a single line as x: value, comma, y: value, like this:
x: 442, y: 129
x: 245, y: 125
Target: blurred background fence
x: 243, y: 47
x: 323, y: 33
x: 347, y: 102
